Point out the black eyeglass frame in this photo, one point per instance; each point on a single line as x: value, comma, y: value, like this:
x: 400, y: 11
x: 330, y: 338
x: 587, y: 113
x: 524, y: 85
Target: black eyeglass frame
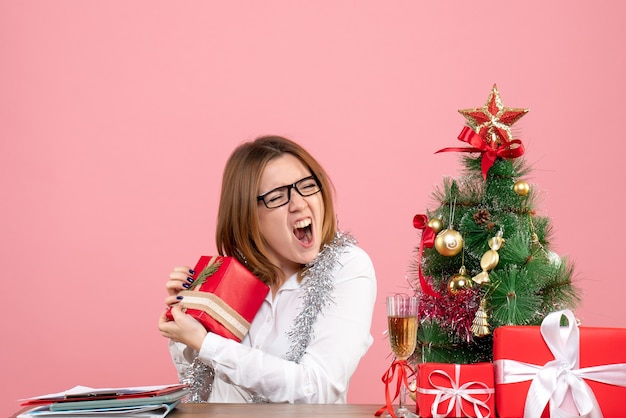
x: 289, y: 187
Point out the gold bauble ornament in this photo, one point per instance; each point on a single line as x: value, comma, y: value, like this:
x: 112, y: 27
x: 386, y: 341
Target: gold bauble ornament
x: 449, y: 242
x: 459, y: 282
x: 435, y: 224
x: 521, y: 188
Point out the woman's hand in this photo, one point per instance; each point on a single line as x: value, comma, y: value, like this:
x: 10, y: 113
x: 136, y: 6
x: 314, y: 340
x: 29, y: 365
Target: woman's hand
x: 179, y: 279
x: 184, y: 328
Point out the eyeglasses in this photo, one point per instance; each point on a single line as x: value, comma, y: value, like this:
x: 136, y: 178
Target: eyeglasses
x: 282, y: 195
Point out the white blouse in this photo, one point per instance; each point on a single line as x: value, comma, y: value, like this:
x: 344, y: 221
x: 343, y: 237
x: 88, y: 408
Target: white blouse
x: 256, y: 366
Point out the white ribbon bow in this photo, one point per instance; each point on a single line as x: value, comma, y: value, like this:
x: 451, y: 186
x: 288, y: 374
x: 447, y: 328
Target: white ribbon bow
x: 552, y: 382
x: 455, y: 393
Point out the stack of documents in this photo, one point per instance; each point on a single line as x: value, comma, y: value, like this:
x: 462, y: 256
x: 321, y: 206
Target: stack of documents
x: 82, y: 402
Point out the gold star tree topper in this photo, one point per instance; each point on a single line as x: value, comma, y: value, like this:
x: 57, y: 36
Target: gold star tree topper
x: 493, y: 121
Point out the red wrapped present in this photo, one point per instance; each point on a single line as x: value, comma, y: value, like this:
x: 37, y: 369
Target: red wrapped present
x: 455, y: 390
x: 225, y: 296
x: 555, y: 370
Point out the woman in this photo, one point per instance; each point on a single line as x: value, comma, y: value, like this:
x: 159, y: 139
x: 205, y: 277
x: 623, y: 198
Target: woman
x: 276, y: 216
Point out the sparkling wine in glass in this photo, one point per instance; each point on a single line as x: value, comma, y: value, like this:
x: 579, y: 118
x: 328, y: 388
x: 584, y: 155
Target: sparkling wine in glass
x: 402, y: 328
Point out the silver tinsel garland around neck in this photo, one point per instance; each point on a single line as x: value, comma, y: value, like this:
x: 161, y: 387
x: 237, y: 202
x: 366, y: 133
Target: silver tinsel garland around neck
x: 317, y: 287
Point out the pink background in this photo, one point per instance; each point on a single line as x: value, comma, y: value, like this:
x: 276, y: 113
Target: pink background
x: 116, y: 118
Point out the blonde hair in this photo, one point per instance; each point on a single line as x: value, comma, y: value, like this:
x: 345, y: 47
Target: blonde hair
x: 238, y: 232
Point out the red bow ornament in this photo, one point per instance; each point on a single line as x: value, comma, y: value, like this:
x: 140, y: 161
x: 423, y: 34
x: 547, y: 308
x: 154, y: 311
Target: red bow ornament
x: 489, y: 150
x: 428, y: 241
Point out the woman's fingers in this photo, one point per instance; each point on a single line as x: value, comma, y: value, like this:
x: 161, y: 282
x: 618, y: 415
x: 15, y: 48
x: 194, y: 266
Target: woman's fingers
x: 172, y: 300
x: 180, y: 278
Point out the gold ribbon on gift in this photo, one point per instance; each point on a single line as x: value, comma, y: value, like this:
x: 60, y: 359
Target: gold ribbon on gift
x: 456, y: 393
x: 217, y: 309
x: 552, y: 381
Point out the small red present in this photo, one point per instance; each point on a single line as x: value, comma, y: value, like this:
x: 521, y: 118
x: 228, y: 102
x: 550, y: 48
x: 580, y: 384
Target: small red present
x: 455, y: 390
x: 225, y: 296
x: 553, y: 370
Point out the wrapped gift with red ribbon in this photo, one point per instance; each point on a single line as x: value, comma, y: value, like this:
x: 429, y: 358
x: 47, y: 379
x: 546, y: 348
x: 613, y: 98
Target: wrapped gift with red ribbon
x: 225, y: 296
x: 560, y: 371
x: 455, y: 390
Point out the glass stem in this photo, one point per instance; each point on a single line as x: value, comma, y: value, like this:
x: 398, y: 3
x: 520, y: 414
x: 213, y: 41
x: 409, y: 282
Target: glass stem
x: 402, y: 399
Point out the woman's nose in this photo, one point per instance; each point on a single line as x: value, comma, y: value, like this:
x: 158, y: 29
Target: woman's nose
x: 297, y: 201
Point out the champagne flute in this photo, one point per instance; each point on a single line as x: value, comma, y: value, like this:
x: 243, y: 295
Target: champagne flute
x: 402, y: 328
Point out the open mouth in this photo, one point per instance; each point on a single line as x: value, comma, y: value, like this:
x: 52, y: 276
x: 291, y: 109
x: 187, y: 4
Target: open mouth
x: 303, y: 231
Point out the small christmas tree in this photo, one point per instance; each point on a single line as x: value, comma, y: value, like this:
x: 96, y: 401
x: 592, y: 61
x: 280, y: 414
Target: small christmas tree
x: 484, y: 258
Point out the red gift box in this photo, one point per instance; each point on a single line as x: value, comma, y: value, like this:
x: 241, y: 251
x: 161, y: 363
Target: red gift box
x: 225, y: 296
x: 455, y: 390
x: 569, y: 368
